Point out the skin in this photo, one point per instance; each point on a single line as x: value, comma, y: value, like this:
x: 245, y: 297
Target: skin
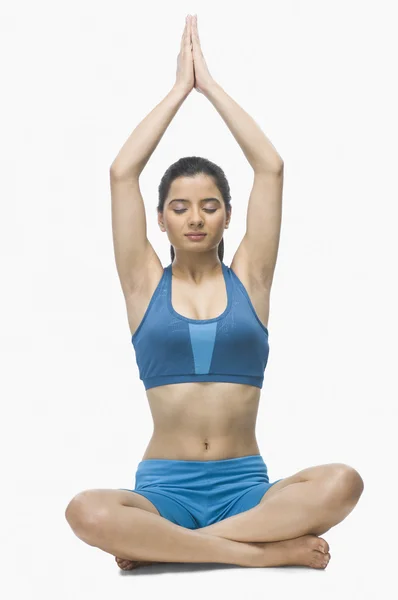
x: 192, y: 261
x: 284, y: 528
x: 286, y: 525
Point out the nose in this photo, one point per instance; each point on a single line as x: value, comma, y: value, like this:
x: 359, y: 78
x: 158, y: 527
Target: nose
x: 195, y: 221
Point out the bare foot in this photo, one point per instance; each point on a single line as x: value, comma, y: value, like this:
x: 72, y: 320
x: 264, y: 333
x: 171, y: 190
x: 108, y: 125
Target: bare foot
x: 307, y: 550
x: 128, y: 565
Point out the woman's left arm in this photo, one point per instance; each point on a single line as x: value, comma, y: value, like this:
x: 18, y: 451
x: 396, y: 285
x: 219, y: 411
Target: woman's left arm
x: 255, y: 145
x: 258, y: 250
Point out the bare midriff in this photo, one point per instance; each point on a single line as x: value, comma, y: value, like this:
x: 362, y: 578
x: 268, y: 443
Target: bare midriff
x: 203, y: 421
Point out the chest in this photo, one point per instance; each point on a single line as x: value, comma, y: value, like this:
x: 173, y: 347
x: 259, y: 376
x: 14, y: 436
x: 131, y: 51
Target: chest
x: 207, y: 301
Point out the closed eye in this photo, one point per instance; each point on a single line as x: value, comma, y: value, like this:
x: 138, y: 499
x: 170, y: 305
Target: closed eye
x: 181, y: 210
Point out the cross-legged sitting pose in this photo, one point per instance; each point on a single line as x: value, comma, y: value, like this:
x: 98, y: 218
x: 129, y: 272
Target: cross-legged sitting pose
x: 200, y: 334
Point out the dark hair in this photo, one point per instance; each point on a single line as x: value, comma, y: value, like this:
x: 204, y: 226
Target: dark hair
x: 189, y: 166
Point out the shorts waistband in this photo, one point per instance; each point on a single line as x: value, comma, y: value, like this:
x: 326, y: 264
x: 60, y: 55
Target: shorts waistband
x: 250, y: 458
x: 197, y: 474
x: 241, y: 464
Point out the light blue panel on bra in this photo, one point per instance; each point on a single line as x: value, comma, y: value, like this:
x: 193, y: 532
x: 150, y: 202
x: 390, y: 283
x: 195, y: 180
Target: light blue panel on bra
x: 203, y: 336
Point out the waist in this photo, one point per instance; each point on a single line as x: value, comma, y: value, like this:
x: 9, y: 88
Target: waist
x: 185, y: 447
x: 203, y: 421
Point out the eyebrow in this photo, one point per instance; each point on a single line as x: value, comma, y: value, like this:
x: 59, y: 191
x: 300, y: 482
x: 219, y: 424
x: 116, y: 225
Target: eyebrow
x: 184, y: 200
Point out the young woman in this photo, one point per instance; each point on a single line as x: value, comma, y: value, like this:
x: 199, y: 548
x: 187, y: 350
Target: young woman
x: 200, y: 333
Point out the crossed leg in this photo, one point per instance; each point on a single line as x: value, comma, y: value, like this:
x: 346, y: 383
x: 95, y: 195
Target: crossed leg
x: 141, y: 536
x: 309, y: 502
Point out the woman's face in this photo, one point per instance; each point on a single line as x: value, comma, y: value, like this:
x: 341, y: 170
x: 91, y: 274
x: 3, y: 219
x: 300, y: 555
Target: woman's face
x: 194, y: 204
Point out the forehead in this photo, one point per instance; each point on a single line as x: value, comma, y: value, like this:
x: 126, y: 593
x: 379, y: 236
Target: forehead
x: 184, y: 187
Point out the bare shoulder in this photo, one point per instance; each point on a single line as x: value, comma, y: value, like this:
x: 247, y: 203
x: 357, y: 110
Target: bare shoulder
x: 149, y: 269
x: 258, y: 291
x: 147, y: 277
x: 247, y: 270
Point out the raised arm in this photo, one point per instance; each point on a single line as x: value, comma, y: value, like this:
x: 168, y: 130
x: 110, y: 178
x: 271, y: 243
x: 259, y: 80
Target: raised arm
x: 133, y: 251
x: 257, y: 253
x: 258, y: 250
x: 132, y: 248
x: 139, y: 147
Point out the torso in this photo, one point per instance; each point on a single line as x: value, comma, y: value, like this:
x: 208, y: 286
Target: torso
x: 200, y: 420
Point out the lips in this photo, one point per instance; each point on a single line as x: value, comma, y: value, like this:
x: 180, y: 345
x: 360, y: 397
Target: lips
x: 195, y: 237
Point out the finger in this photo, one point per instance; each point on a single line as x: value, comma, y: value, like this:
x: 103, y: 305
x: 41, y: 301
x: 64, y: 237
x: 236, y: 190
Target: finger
x: 184, y: 32
x: 195, y: 34
x: 186, y: 42
x: 188, y: 31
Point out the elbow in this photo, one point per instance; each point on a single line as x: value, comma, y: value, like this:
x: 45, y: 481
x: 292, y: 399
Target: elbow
x: 114, y: 171
x: 118, y: 173
x: 275, y: 168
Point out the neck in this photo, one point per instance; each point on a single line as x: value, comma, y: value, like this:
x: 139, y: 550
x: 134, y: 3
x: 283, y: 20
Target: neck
x: 196, y: 270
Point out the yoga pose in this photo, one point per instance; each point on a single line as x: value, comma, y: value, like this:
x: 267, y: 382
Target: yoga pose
x: 200, y: 334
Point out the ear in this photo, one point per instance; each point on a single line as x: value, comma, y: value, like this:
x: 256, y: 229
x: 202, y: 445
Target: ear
x: 160, y: 222
x: 229, y: 214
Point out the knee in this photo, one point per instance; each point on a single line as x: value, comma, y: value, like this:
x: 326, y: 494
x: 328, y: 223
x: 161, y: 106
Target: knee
x: 85, y: 515
x: 345, y: 484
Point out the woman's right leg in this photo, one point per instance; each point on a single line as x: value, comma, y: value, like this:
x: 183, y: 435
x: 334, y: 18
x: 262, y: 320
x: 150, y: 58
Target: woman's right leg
x: 102, y: 518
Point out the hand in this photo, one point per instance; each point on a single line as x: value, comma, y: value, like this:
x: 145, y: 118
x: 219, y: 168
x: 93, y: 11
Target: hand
x: 203, y: 79
x: 185, y: 73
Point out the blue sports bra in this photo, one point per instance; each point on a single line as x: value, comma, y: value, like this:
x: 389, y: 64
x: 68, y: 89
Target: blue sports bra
x: 171, y: 348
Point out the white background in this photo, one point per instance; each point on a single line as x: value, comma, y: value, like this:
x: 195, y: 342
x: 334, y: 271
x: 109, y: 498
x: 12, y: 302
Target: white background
x: 77, y: 77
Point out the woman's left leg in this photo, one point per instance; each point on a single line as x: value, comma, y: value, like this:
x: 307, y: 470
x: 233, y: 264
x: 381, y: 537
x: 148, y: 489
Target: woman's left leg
x: 311, y: 501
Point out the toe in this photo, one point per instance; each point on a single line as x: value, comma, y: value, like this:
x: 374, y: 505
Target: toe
x: 323, y: 546
x: 123, y: 563
x: 325, y: 560
x: 319, y: 560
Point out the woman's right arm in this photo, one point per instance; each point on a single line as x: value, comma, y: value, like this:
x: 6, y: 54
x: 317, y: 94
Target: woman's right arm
x: 139, y: 147
x: 131, y: 245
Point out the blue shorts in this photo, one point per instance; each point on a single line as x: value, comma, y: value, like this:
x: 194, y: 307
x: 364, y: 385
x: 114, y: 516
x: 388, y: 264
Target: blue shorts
x: 196, y: 493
